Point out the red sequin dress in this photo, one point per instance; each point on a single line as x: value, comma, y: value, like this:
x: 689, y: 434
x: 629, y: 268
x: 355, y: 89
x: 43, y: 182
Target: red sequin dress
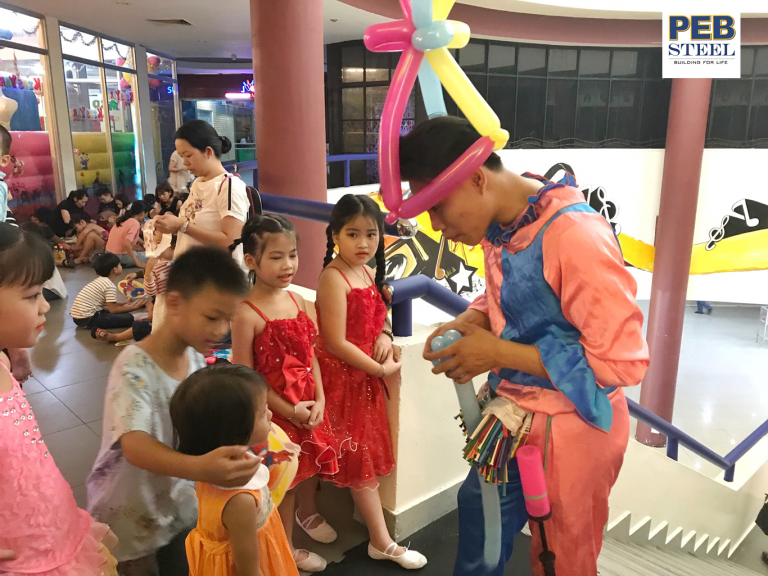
x: 283, y: 354
x: 356, y: 403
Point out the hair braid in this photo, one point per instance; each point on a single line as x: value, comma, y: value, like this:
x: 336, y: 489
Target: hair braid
x: 331, y: 246
x: 381, y: 269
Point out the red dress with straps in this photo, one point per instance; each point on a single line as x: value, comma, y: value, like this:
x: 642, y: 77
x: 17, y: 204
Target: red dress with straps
x: 283, y: 354
x: 356, y: 403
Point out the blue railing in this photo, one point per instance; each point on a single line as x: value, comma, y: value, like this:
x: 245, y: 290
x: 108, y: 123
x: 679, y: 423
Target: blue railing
x: 253, y: 165
x: 403, y: 292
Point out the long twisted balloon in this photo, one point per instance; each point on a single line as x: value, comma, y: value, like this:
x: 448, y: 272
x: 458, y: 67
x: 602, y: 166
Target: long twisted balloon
x: 472, y: 415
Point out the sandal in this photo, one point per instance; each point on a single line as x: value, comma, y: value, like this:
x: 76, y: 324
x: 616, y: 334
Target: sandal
x: 322, y: 533
x: 68, y: 262
x: 100, y: 334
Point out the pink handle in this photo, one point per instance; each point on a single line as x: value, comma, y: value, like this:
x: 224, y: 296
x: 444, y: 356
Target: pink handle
x: 389, y: 131
x: 534, y: 483
x: 442, y: 186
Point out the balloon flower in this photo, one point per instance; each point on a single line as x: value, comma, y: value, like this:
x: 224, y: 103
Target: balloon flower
x: 424, y: 36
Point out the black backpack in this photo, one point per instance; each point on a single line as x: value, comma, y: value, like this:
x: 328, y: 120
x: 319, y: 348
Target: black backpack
x: 255, y: 207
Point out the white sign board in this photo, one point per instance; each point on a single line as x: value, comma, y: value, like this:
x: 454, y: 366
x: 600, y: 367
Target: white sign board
x: 701, y: 45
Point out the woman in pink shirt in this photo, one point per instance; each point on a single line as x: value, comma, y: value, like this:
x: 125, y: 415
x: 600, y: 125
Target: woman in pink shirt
x: 124, y: 237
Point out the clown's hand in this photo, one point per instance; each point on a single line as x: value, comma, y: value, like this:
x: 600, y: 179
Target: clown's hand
x: 476, y: 353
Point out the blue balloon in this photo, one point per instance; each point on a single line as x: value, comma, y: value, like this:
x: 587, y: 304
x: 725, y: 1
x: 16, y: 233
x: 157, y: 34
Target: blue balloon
x: 436, y: 35
x: 421, y: 12
x: 470, y: 410
x: 8, y: 35
x: 432, y: 91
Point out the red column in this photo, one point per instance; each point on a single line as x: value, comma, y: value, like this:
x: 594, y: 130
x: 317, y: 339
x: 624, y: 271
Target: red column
x: 688, y: 110
x: 287, y: 38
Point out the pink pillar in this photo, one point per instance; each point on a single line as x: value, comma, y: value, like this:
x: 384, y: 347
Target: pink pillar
x: 289, y: 84
x: 688, y: 111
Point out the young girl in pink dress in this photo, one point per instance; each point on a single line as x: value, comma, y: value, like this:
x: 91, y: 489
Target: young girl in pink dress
x: 273, y: 334
x: 42, y: 531
x: 356, y: 354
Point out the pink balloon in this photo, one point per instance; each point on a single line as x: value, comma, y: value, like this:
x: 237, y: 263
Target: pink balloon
x: 405, y: 6
x: 153, y: 61
x: 442, y: 186
x: 389, y: 132
x: 389, y: 36
x: 533, y: 481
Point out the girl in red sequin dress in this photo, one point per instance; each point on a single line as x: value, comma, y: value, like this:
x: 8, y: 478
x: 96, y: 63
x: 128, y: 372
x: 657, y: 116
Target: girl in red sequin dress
x: 273, y: 334
x: 356, y: 354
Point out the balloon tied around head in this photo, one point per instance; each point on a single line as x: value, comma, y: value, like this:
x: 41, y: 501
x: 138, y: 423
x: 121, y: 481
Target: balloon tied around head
x: 425, y: 36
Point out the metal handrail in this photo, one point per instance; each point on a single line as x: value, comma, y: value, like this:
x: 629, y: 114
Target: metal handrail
x: 253, y: 165
x: 420, y: 286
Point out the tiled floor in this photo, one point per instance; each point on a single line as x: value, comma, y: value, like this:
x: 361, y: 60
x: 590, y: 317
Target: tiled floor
x: 721, y: 395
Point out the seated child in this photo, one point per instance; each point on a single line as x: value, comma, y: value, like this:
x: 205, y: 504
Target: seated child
x: 137, y: 485
x: 96, y: 305
x: 152, y: 208
x: 239, y: 531
x: 42, y: 219
x: 91, y: 239
x: 107, y: 209
x: 155, y: 283
x: 122, y: 202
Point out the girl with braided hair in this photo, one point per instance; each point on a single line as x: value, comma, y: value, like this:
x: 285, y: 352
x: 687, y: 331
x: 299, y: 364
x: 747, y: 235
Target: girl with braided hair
x: 273, y: 334
x: 356, y: 353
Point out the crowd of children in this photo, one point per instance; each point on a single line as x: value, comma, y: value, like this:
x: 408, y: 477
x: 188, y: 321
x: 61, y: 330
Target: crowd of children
x: 170, y: 421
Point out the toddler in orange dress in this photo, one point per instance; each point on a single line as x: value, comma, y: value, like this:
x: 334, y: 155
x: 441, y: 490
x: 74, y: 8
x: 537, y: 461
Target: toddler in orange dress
x: 239, y: 532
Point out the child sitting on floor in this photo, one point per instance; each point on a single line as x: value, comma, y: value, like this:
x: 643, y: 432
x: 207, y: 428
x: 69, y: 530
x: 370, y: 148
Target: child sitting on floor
x: 238, y: 531
x: 155, y: 283
x: 91, y: 239
x: 137, y: 484
x: 96, y: 305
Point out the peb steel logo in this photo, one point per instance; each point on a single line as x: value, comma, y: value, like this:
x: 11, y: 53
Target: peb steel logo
x: 701, y: 46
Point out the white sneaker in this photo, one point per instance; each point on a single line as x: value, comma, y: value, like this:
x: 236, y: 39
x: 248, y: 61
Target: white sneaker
x: 322, y: 533
x: 410, y: 559
x: 312, y: 563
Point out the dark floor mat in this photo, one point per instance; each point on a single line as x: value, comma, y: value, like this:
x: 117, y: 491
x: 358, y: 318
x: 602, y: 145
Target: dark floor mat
x: 438, y: 542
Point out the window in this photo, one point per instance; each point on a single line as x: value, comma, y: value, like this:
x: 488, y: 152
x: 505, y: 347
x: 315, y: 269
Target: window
x: 26, y: 108
x: 164, y: 102
x: 544, y: 96
x: 365, y: 78
x: 729, y: 109
x: 103, y: 112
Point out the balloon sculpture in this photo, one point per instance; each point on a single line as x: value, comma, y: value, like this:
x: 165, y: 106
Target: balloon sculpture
x: 424, y: 37
x: 470, y: 411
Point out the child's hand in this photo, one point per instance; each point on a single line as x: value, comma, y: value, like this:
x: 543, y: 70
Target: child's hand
x: 6, y: 555
x: 303, y: 412
x: 130, y: 277
x: 381, y: 348
x: 228, y: 466
x: 391, y: 366
x: 315, y: 415
x: 397, y: 353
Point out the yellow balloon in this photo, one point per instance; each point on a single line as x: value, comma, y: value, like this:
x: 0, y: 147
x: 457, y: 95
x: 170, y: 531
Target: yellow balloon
x: 461, y: 35
x: 280, y: 475
x: 441, y: 9
x: 466, y: 96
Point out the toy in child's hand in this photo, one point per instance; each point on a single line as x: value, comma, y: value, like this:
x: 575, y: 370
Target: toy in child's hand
x: 470, y: 410
x: 281, y: 457
x: 131, y: 288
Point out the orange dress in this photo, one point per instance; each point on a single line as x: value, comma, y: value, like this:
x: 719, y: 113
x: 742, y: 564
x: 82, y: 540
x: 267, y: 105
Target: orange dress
x: 209, y: 550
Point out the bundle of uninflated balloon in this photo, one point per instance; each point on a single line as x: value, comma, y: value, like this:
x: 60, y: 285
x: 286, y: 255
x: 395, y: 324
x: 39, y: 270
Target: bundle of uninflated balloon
x: 424, y: 36
x: 490, y: 447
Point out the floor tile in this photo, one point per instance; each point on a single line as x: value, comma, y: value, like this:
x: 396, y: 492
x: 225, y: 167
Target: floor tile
x: 74, y: 451
x: 32, y: 386
x: 81, y: 496
x: 96, y: 427
x: 52, y: 415
x: 85, y: 399
x: 77, y: 367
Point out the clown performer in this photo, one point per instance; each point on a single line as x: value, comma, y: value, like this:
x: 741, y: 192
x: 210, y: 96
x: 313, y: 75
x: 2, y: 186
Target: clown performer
x: 559, y: 330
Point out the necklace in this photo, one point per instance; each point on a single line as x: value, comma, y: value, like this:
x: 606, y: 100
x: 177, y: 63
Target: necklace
x: 365, y: 282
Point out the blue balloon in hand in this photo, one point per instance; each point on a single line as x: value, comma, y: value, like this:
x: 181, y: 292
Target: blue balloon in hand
x: 470, y: 410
